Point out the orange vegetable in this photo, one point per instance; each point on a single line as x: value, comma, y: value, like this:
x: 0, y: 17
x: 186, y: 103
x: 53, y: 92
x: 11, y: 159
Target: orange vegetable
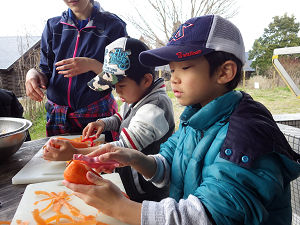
x: 58, y: 217
x: 58, y: 200
x: 4, y: 222
x: 36, y: 216
x: 76, y: 142
x: 76, y: 172
x: 20, y: 222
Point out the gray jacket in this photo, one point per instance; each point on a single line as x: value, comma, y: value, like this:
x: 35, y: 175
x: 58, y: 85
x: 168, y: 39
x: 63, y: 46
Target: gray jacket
x: 143, y: 126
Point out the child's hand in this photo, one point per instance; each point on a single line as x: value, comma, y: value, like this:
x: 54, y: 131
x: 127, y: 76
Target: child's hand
x: 142, y: 163
x: 104, y: 195
x: 35, y: 81
x: 108, y: 152
x: 90, y: 129
x: 58, y: 150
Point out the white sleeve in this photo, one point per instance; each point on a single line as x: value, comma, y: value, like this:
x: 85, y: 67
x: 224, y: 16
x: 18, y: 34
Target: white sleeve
x: 111, y: 123
x: 161, y: 178
x: 168, y: 212
x: 148, y: 125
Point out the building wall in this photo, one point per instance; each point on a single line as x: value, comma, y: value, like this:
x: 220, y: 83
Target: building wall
x: 14, y: 79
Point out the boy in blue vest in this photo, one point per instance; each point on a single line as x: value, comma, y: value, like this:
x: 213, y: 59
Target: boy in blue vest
x: 228, y: 163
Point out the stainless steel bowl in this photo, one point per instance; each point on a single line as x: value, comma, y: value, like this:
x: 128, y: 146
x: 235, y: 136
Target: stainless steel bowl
x: 9, y: 125
x: 11, y: 142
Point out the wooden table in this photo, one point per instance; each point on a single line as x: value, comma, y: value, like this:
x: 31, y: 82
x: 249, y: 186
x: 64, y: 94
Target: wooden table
x: 10, y: 195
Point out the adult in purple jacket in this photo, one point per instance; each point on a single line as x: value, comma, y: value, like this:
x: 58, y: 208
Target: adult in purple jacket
x: 73, y: 44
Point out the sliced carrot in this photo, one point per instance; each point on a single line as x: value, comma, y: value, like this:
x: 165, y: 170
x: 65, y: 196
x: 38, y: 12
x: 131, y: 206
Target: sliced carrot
x: 38, y: 219
x: 47, y: 207
x: 72, y: 209
x: 42, y: 193
x: 78, y: 139
x: 45, y: 199
x: 58, y: 217
x: 5, y: 222
x: 20, y: 222
x: 76, y: 144
x: 58, y: 200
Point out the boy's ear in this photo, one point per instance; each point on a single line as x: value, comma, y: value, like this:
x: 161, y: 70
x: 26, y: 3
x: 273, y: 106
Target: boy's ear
x: 226, y: 72
x: 148, y: 79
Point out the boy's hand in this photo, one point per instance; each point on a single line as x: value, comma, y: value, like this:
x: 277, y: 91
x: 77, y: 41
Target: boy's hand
x: 89, y: 130
x: 144, y: 164
x: 74, y: 66
x: 108, y: 152
x: 58, y: 150
x: 107, y: 198
x: 104, y: 195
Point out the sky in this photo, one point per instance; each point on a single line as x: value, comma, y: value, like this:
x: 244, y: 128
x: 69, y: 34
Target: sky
x: 19, y: 17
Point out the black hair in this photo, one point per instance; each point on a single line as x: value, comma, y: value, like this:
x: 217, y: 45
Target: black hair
x: 92, y: 1
x: 137, y: 70
x: 138, y: 79
x: 216, y: 59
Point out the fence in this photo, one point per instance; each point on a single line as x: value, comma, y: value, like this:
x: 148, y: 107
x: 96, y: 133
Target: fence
x: 292, y: 135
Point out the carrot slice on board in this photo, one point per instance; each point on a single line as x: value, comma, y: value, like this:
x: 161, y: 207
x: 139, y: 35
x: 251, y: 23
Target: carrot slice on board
x: 58, y: 200
x: 38, y: 219
x: 5, y: 222
x: 58, y: 217
x: 20, y: 222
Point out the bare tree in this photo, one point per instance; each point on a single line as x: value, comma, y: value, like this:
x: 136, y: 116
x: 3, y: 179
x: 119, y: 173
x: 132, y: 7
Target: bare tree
x: 158, y: 19
x: 32, y: 109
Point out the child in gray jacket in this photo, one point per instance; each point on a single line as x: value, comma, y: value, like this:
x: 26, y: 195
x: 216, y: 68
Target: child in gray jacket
x: 144, y: 121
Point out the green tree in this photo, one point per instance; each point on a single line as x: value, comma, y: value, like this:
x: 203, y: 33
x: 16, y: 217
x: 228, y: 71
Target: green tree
x: 282, y: 32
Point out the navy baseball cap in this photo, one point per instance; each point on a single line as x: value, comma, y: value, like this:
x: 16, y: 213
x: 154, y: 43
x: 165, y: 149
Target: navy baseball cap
x: 121, y: 60
x: 196, y: 37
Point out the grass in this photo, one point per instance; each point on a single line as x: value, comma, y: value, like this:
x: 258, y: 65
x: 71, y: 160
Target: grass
x: 277, y: 100
x: 38, y: 129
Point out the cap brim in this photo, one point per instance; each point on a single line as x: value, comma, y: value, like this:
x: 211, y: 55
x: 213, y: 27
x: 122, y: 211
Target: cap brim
x: 103, y: 81
x: 171, y: 53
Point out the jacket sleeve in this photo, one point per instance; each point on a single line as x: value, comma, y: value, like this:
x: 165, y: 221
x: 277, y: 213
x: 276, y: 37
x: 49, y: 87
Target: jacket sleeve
x: 169, y: 212
x: 236, y: 195
x: 46, y: 53
x: 112, y: 123
x: 148, y: 125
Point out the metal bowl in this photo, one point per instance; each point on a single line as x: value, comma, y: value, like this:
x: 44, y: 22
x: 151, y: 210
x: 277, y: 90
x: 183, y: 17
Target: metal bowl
x: 11, y: 142
x: 9, y: 125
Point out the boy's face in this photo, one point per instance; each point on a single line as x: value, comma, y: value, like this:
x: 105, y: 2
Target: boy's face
x: 192, y: 83
x: 129, y: 91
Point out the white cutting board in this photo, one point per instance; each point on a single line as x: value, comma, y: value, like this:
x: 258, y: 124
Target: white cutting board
x: 40, y: 170
x: 26, y: 205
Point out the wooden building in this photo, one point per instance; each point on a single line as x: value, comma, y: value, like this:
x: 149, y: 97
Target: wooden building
x: 17, y: 55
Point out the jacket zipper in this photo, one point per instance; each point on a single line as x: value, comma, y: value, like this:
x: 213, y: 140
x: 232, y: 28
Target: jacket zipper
x: 70, y: 78
x: 74, y: 55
